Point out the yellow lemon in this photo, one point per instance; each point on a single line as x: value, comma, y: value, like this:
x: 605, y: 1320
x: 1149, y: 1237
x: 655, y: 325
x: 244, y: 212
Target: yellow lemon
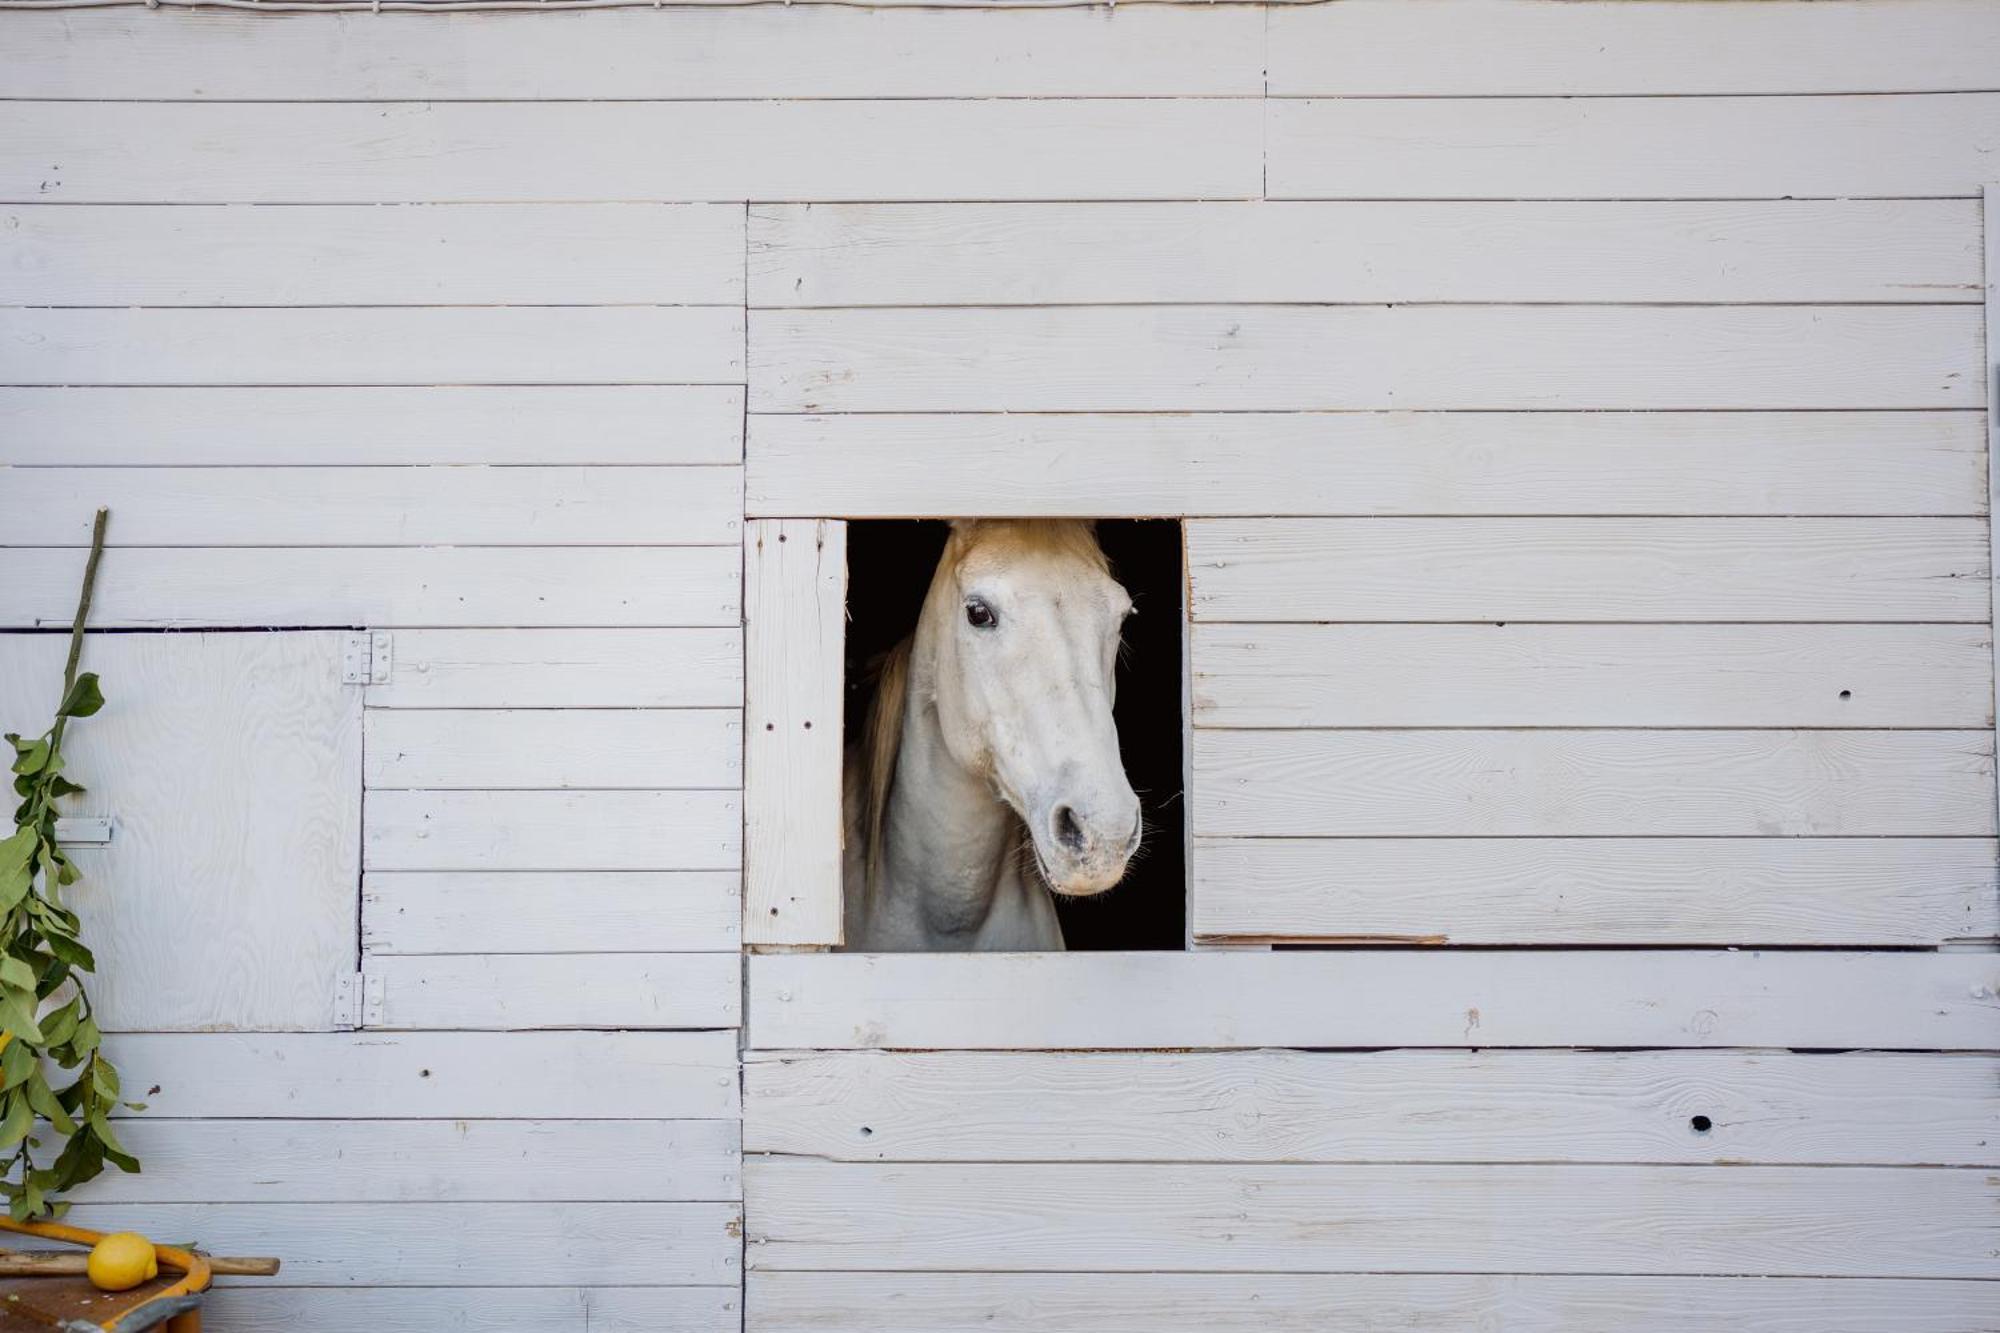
x: 122, y: 1261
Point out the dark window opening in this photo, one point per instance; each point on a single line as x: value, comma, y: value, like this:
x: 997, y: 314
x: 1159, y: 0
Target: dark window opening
x: 889, y: 568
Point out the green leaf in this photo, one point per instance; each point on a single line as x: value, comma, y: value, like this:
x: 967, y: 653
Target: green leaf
x: 84, y: 697
x: 71, y: 951
x: 59, y: 786
x: 31, y: 757
x: 17, y: 1063
x: 100, y: 1125
x: 19, y: 1119
x: 87, y: 1037
x: 17, y: 1015
x: 60, y: 1025
x: 48, y: 1108
x: 15, y: 972
x: 105, y: 1079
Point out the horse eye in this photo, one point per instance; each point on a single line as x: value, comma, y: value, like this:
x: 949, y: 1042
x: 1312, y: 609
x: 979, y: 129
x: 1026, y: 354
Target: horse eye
x: 979, y: 615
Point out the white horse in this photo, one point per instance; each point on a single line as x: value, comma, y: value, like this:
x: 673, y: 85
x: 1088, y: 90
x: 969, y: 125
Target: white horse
x: 990, y: 738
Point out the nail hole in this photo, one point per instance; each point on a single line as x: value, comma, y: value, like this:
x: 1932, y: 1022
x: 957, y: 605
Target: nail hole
x: 1701, y: 1124
x: 866, y: 1132
x: 1847, y: 694
x: 770, y: 726
x: 809, y: 726
x: 423, y: 1073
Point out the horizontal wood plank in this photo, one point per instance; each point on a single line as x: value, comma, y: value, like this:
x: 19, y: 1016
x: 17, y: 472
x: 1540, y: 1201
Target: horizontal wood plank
x: 1395, y: 1106
x: 552, y: 830
x: 376, y: 506
x: 513, y: 992
x: 584, y: 254
x: 431, y: 1075
x: 1592, y: 675
x: 1743, y: 784
x: 442, y: 152
x: 431, y: 1161
x: 502, y: 748
x: 383, y: 587
x: 1891, y: 892
x: 224, y: 427
x: 686, y: 52
x: 1631, y: 147
x: 495, y: 1310
x: 1084, y: 1217
x: 1287, y: 253
x: 374, y: 345
x: 427, y: 1244
x: 566, y: 668
x: 1587, y: 569
x: 607, y: 911
x: 1354, y: 1303
x: 1471, y: 47
x: 1373, y: 998
x: 1263, y: 358
x: 1407, y: 463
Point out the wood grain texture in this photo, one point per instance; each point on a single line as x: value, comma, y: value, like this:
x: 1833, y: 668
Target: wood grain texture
x: 1369, y: 998
x: 1353, y: 1303
x: 1083, y: 1217
x: 685, y: 52
x: 513, y: 992
x: 383, y: 588
x: 1891, y: 892
x: 223, y: 427
x: 1592, y: 675
x: 1631, y: 147
x: 425, y: 1161
x: 1475, y: 47
x: 522, y: 748
x: 494, y: 1310
x: 1265, y: 358
x: 374, y: 345
x: 1590, y: 569
x: 425, y: 1244
x: 442, y: 152
x: 565, y: 668
x: 1747, y: 784
x: 1386, y: 1106
x: 1288, y: 253
x: 584, y: 254
x: 405, y: 912
x: 552, y: 830
x: 432, y: 1075
x: 229, y: 767
x: 795, y: 626
x: 376, y: 506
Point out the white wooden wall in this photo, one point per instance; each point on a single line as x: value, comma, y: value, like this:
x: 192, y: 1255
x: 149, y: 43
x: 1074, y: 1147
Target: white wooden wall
x: 1578, y: 412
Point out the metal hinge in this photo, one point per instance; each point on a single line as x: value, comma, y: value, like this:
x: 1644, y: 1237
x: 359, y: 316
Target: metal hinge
x: 357, y: 1002
x: 365, y: 659
x: 83, y: 831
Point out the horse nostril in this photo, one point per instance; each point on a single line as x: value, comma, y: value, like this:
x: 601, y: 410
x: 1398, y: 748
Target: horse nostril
x: 1068, y: 832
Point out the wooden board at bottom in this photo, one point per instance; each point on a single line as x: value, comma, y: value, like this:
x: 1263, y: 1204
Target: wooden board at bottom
x: 260, y: 1305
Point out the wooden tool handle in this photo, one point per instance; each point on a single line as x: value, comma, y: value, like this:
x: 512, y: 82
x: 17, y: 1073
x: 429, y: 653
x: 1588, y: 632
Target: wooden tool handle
x: 19, y: 1264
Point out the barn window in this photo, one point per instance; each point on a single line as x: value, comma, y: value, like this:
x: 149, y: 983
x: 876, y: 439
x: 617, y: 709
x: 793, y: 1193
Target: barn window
x: 827, y: 604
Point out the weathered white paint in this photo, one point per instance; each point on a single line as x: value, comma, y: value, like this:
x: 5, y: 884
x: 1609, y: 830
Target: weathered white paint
x: 605, y: 911
x: 1389, y: 1106
x: 490, y: 749
x: 1897, y: 892
x: 466, y: 1309
x: 552, y: 830
x: 1374, y: 998
x: 509, y: 992
x: 564, y: 668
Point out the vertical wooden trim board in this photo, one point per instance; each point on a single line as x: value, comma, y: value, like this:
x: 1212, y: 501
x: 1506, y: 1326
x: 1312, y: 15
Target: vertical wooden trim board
x: 1992, y: 196
x: 795, y: 607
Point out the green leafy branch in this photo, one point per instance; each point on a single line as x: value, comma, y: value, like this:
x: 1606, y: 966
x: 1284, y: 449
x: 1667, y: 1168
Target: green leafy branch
x: 42, y: 959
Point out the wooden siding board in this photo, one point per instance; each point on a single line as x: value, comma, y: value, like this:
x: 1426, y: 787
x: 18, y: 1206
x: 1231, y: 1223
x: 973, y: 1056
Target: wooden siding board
x: 373, y: 345
x: 552, y: 830
x: 604, y: 911
x: 359, y: 426
x: 1366, y: 463
x: 1370, y: 998
x: 223, y: 255
x: 682, y: 52
x: 1363, y: 252
x: 602, y: 1309
x: 1263, y: 358
x: 525, y: 748
x: 1136, y: 1217
x: 1888, y: 892
x: 442, y: 152
x: 564, y: 668
x: 375, y: 506
x: 382, y: 588
x: 1358, y: 1303
x: 1593, y: 783
x: 434, y: 1161
x: 1388, y: 1106
x: 433, y: 1075
x: 1631, y: 147
x: 1590, y: 569
x: 1592, y: 675
x: 513, y: 992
